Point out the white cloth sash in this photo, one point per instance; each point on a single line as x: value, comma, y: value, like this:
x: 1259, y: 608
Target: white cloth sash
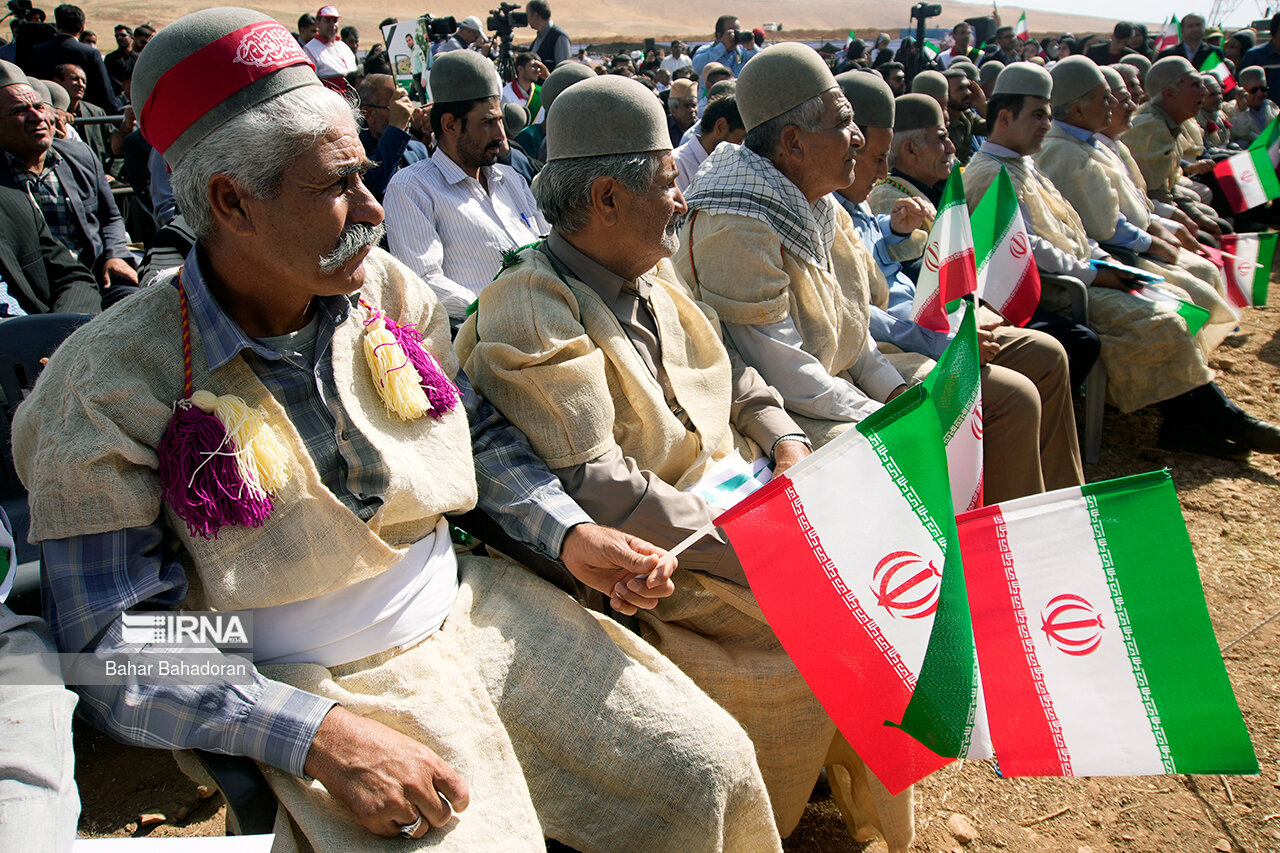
x: 396, y: 609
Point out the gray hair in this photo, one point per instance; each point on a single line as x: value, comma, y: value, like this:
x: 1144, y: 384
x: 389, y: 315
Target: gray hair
x: 1061, y: 111
x: 255, y: 148
x: 764, y: 139
x: 899, y: 139
x: 563, y: 187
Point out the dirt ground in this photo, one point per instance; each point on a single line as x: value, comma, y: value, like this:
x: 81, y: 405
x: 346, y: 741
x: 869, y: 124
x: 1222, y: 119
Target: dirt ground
x: 1233, y: 513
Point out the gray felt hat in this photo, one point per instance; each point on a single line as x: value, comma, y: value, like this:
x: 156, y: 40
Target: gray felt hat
x: 1114, y: 81
x: 1075, y: 77
x: 464, y: 75
x: 930, y: 83
x: 870, y: 97
x: 606, y: 115
x: 724, y: 87
x: 990, y: 70
x: 42, y: 91
x: 252, y: 58
x: 11, y: 75
x: 515, y: 118
x: 565, y: 75
x: 59, y: 97
x: 781, y: 79
x: 963, y: 69
x: 915, y: 111
x: 1166, y: 72
x: 1024, y: 78
x: 1139, y: 62
x: 1254, y: 73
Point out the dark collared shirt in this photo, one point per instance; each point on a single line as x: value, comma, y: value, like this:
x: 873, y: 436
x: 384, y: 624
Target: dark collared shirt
x: 45, y: 191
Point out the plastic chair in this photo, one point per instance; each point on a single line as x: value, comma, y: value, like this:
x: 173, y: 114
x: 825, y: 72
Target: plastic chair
x: 23, y: 342
x: 1095, y: 384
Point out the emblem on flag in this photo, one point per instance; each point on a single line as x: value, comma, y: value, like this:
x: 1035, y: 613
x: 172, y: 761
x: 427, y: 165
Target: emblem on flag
x: 907, y: 585
x: 1072, y: 624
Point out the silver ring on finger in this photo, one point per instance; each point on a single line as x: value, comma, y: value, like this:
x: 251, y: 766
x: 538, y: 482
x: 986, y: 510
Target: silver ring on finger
x: 408, y: 830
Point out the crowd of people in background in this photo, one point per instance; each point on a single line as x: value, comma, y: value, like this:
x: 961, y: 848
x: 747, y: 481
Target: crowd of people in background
x: 632, y: 269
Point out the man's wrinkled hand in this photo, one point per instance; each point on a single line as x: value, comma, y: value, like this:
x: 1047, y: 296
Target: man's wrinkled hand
x: 788, y: 453
x: 1114, y: 279
x: 632, y: 572
x: 988, y: 348
x: 907, y: 215
x: 385, y: 778
x: 117, y: 271
x: 1163, y: 250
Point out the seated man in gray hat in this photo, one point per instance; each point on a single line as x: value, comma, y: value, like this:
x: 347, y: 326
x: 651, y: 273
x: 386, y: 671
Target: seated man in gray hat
x: 1258, y: 111
x: 532, y: 140
x: 1073, y: 159
x: 1161, y: 144
x: 450, y: 217
x: 933, y: 84
x: 1148, y: 354
x: 769, y: 250
x: 966, y: 108
x: 594, y: 347
x: 393, y: 684
x: 1029, y: 425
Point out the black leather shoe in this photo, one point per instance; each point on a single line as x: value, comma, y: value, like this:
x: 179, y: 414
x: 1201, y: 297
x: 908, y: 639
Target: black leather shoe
x: 1195, y: 438
x: 1255, y: 434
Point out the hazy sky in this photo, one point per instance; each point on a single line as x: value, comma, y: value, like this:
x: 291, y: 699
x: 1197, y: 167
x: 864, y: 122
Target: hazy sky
x: 1140, y: 10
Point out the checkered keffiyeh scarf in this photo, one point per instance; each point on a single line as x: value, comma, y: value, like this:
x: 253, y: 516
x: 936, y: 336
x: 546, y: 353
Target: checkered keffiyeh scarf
x: 735, y: 179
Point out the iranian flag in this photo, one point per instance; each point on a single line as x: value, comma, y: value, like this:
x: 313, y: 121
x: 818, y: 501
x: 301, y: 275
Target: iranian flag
x: 1248, y: 267
x: 1020, y: 29
x: 1008, y: 280
x: 955, y: 386
x: 1170, y: 33
x: 947, y: 271
x: 1248, y: 179
x: 1093, y: 638
x: 929, y: 49
x: 1214, y: 65
x: 852, y: 555
x: 1192, y: 314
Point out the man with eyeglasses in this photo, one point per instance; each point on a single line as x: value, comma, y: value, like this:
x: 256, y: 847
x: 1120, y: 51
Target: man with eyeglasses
x: 1249, y: 120
x: 1267, y: 55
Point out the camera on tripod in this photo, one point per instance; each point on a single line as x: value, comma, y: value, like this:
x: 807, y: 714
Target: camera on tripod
x: 505, y: 18
x: 439, y: 27
x: 926, y: 10
x: 20, y: 9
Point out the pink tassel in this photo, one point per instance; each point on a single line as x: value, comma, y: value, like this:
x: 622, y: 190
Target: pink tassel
x: 202, y: 482
x: 441, y: 393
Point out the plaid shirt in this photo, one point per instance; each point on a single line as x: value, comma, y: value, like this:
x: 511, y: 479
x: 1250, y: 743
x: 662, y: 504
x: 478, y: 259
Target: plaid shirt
x: 45, y: 192
x: 90, y: 579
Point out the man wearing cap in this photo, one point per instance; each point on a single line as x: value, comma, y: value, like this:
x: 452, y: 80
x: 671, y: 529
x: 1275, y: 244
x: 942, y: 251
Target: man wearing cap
x: 1250, y: 119
x: 1071, y: 157
x: 594, y: 346
x: 1213, y: 120
x: 65, y: 179
x: 468, y: 36
x: 388, y: 115
x: 451, y: 217
x: 966, y: 106
x: 393, y: 684
x: 331, y: 56
x: 933, y: 84
x: 1026, y: 373
x: 552, y: 43
x: 1148, y: 354
x: 720, y: 123
x: 1161, y: 145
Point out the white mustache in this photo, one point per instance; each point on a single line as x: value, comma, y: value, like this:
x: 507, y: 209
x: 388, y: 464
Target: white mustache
x: 354, y: 239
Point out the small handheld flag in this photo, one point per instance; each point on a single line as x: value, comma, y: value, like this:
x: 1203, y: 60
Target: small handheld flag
x: 1008, y: 280
x: 947, y: 269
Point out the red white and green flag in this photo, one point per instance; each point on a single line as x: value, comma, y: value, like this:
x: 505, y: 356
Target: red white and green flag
x: 1020, y: 29
x: 947, y: 270
x: 1192, y: 314
x: 1248, y: 179
x: 1248, y: 259
x: 1214, y: 65
x: 1093, y: 638
x: 1008, y: 280
x: 853, y: 557
x: 1170, y: 33
x: 955, y: 386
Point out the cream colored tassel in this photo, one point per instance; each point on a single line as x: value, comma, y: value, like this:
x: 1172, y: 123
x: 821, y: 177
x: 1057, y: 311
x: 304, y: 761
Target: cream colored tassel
x: 262, y: 459
x: 397, y: 379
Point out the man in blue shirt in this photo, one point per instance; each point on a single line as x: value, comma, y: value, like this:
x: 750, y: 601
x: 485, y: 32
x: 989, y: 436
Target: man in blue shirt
x: 725, y: 49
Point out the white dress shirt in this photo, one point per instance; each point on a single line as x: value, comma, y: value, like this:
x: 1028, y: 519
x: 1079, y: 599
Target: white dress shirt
x: 451, y: 232
x: 334, y: 59
x: 689, y: 156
